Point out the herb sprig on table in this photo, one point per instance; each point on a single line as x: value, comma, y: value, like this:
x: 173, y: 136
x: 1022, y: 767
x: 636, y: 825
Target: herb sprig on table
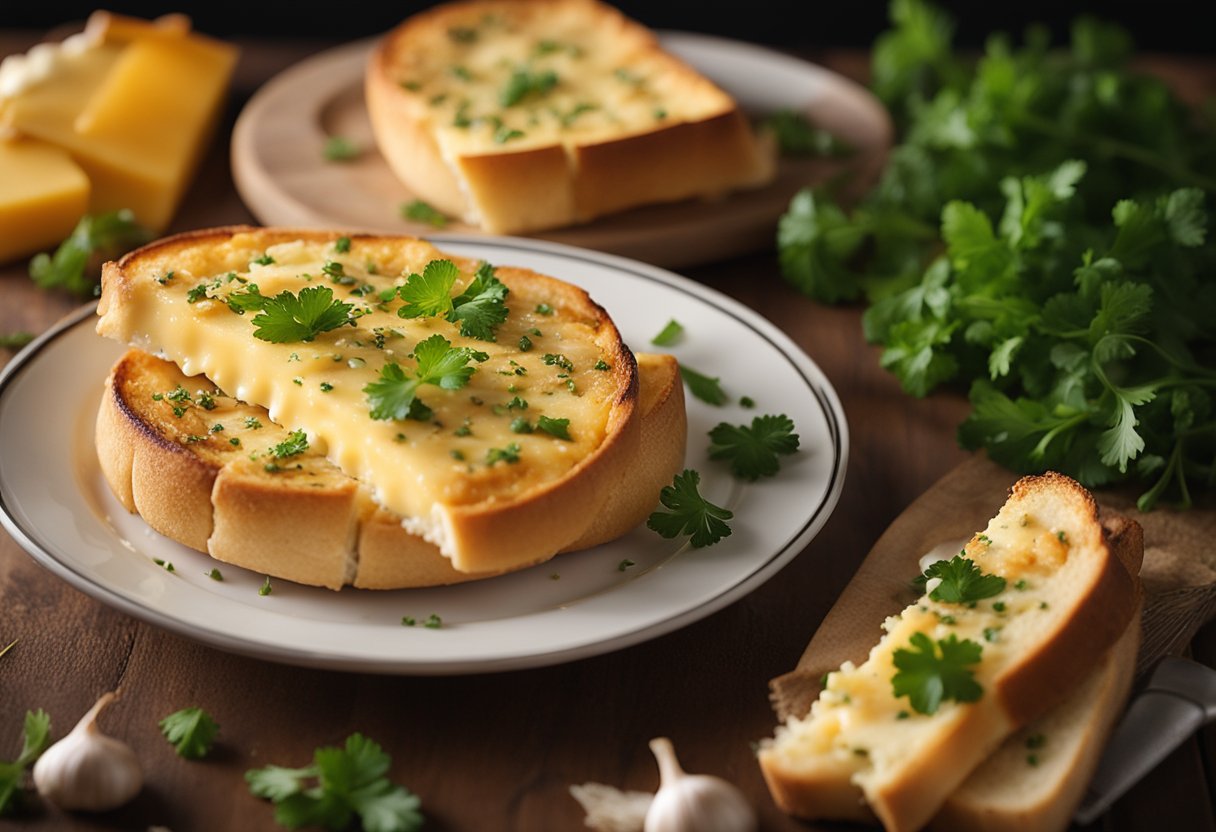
x: 1042, y: 236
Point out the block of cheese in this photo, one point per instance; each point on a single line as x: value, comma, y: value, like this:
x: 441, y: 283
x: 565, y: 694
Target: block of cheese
x: 958, y: 672
x: 503, y: 459
x: 133, y: 102
x: 42, y: 195
x: 521, y: 115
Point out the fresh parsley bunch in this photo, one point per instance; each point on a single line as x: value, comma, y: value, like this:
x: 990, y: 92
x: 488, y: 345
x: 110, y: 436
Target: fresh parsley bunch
x: 1041, y: 236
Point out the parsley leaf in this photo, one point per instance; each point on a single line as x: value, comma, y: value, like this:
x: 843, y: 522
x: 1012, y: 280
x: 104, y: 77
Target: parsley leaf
x: 339, y: 149
x: 340, y: 784
x: 191, y: 731
x: 523, y: 83
x: 429, y: 294
x: 962, y: 582
x: 752, y: 451
x: 420, y: 211
x: 705, y: 388
x: 286, y: 318
x: 36, y: 737
x: 77, y: 261
x: 559, y: 428
x: 932, y: 672
x: 669, y: 334
x: 480, y: 307
x: 394, y: 394
x: 690, y: 513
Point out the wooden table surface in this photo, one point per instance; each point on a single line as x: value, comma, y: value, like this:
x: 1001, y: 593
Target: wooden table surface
x: 499, y: 751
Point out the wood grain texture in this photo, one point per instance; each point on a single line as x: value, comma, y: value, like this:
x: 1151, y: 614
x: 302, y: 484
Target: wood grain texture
x: 494, y: 751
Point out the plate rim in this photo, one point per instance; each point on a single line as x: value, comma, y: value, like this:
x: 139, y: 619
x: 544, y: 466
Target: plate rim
x: 806, y: 368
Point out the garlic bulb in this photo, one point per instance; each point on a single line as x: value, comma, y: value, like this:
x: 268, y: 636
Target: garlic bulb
x: 694, y: 802
x: 88, y: 770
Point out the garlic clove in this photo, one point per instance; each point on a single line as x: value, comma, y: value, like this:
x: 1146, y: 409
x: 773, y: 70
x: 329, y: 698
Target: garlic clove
x: 694, y: 802
x: 87, y: 770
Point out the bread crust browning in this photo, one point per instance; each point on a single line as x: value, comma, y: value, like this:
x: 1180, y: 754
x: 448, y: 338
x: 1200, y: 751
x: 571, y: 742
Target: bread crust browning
x: 561, y: 177
x: 317, y: 527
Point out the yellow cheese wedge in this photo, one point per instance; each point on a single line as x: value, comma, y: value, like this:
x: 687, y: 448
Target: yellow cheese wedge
x: 42, y: 195
x: 135, y: 112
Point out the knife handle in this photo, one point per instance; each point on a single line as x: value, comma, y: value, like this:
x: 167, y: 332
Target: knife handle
x: 1180, y: 698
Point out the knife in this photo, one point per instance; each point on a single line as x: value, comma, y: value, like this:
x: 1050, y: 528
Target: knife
x: 1178, y: 699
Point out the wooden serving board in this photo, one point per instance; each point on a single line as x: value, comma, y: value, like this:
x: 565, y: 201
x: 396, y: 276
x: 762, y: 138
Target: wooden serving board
x: 280, y: 171
x: 1179, y: 574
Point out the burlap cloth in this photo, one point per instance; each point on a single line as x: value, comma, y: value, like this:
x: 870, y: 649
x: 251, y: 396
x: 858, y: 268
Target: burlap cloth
x: 1179, y: 574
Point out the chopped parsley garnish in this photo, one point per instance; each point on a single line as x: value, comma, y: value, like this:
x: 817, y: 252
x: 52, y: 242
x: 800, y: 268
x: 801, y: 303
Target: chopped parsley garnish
x: 962, y: 582
x: 543, y: 309
x: 690, y: 513
x: 342, y: 245
x: 215, y: 575
x: 478, y: 309
x: 930, y: 672
x: 408, y: 621
x: 286, y: 318
x: 265, y: 589
x: 190, y: 731
x: 296, y: 443
x: 433, y: 621
x: 625, y: 564
x: 504, y: 134
x: 752, y: 451
x: 525, y: 343
x: 339, y: 149
x: 394, y: 394
x: 559, y: 360
x: 252, y: 422
x: 264, y: 260
x: 669, y: 334
x: 523, y: 83
x: 77, y: 261
x: 340, y: 784
x: 520, y: 424
x: 36, y: 737
x: 509, y: 454
x: 705, y: 388
x: 559, y: 428
x: 602, y: 365
x: 420, y: 211
x: 197, y: 293
x: 748, y: 402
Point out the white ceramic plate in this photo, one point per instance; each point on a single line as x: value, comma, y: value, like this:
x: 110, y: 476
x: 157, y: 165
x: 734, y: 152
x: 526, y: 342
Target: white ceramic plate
x: 55, y: 503
x: 282, y: 176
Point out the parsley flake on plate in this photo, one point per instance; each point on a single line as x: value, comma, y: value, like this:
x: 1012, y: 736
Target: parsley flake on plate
x: 962, y: 581
x: 287, y: 318
x: 931, y: 672
x: 705, y: 388
x: 341, y: 783
x: 669, y: 334
x: 420, y: 211
x: 689, y: 513
x: 752, y: 451
x: 394, y: 394
x: 191, y: 731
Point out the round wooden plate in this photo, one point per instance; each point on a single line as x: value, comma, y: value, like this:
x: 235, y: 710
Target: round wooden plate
x: 282, y: 175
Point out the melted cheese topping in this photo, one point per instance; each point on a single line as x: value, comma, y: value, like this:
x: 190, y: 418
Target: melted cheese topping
x: 861, y: 725
x: 418, y: 469
x: 524, y: 77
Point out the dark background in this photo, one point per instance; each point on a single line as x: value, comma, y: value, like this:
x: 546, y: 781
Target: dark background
x: 1156, y: 25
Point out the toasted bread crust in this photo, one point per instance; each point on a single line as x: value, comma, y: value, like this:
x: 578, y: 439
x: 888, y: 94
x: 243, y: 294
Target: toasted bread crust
x: 561, y: 176
x: 316, y: 526
x: 1096, y: 606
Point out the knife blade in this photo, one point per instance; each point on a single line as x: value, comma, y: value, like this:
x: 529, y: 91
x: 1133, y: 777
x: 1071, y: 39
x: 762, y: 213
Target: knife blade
x: 1178, y: 699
